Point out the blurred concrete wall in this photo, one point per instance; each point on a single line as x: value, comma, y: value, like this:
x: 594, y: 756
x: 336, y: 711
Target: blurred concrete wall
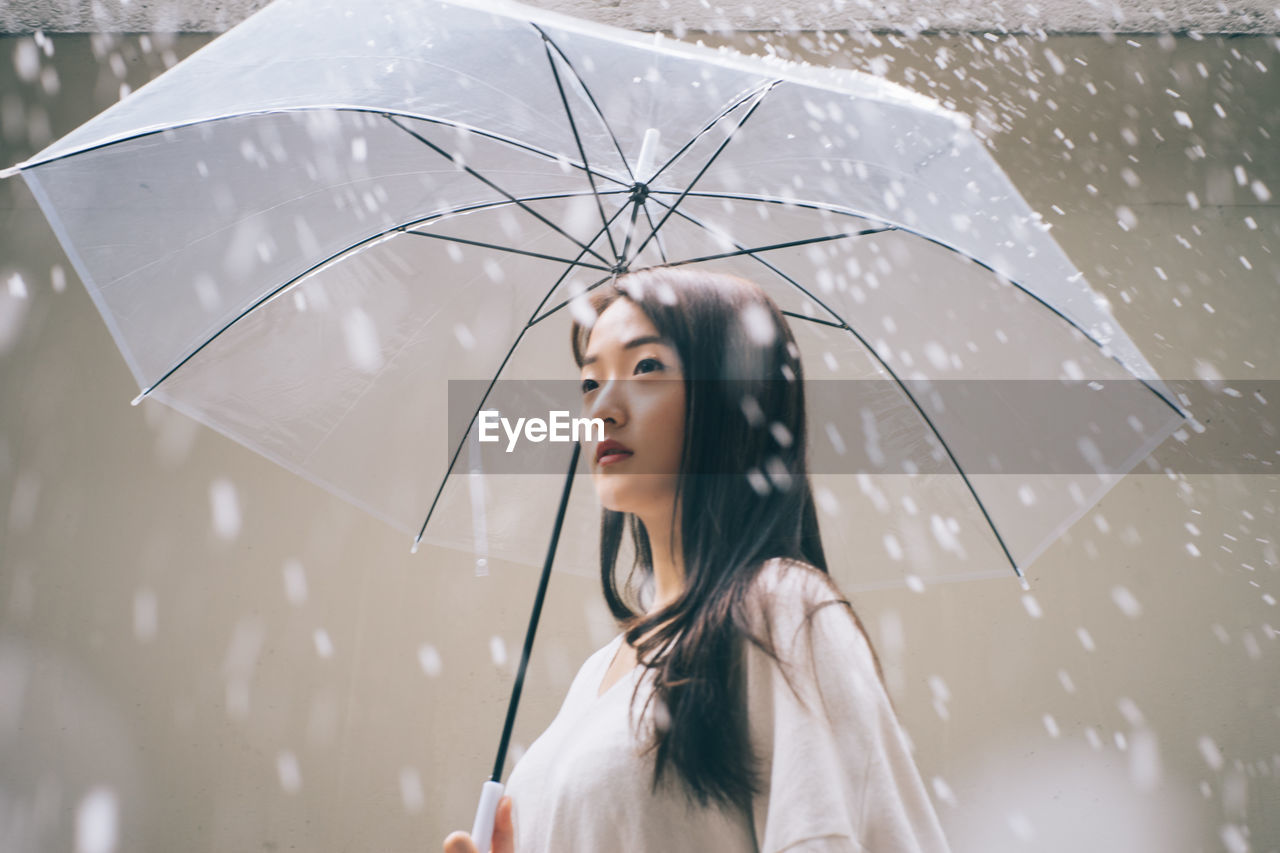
x: 1051, y: 16
x: 199, y: 651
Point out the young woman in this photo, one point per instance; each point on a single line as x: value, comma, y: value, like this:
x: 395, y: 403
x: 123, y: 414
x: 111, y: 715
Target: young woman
x: 765, y: 724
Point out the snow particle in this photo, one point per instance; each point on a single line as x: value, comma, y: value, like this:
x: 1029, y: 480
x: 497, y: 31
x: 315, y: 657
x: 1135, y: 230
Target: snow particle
x: 361, y: 335
x: 323, y: 643
x: 758, y: 323
x: 1064, y: 678
x: 225, y: 504
x: 943, y: 791
x: 144, y: 614
x: 97, y: 822
x: 497, y: 650
x: 1210, y: 752
x: 287, y: 768
x: 411, y: 793
x: 295, y: 582
x: 1144, y: 761
x: 429, y: 660
x: 1125, y: 600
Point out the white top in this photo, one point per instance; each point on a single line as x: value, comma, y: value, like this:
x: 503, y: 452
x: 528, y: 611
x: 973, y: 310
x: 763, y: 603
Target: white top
x: 841, y: 777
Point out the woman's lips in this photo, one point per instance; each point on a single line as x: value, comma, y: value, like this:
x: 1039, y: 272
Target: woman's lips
x: 613, y: 457
x: 611, y: 451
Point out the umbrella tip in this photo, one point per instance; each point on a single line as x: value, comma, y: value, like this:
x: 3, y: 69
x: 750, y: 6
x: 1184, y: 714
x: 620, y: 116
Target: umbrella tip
x: 10, y: 172
x: 413, y: 549
x: 138, y: 399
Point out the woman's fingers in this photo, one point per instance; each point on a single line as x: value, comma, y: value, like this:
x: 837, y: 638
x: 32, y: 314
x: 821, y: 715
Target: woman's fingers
x: 503, y: 834
x: 459, y: 842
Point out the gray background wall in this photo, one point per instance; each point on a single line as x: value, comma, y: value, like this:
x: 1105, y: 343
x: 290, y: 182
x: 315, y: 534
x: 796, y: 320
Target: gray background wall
x: 289, y: 677
x: 1054, y: 16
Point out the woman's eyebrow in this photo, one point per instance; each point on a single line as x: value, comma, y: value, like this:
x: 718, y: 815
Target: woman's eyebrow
x: 634, y: 342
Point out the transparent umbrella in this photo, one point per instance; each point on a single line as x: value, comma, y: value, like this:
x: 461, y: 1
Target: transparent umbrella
x: 343, y: 229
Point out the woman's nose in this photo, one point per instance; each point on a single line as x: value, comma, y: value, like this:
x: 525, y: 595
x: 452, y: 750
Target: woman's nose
x: 609, y: 403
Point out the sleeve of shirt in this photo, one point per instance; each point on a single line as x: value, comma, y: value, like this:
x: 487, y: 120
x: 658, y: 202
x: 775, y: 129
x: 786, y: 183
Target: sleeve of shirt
x: 838, y: 774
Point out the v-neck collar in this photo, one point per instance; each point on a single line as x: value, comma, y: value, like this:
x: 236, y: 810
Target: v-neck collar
x: 617, y: 648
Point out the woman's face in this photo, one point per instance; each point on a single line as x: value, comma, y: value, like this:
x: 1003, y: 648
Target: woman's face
x: 632, y: 380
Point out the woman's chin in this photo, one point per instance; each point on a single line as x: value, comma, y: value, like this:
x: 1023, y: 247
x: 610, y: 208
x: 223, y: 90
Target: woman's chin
x: 614, y: 494
x: 610, y: 501
x: 627, y: 499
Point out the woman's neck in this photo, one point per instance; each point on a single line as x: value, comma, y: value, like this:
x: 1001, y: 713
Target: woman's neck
x: 668, y: 561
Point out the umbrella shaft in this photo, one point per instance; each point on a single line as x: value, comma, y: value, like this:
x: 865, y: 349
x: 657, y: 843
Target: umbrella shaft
x: 535, y: 615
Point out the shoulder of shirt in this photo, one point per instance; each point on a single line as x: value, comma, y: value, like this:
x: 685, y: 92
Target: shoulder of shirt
x: 789, y: 589
x: 804, y: 610
x: 792, y: 579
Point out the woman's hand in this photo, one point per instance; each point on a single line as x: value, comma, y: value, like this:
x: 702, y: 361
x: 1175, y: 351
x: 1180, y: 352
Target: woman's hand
x: 503, y: 836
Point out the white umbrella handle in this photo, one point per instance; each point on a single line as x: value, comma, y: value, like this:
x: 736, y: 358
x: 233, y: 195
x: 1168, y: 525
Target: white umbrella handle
x: 482, y: 830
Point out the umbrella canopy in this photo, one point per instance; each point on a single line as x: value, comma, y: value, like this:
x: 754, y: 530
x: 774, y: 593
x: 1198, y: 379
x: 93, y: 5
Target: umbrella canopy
x: 311, y: 231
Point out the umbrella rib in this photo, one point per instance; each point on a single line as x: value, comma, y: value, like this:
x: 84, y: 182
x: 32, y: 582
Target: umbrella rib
x: 707, y: 127
x: 788, y: 245
x: 662, y: 250
x: 691, y: 218
x: 458, y: 450
x: 540, y: 317
x: 345, y: 108
x: 471, y: 171
x: 506, y: 249
x: 804, y: 205
x: 329, y: 260
x: 830, y: 323
x: 845, y: 325
x: 547, y: 295
x: 926, y: 237
x: 945, y: 446
x: 631, y: 229
x: 590, y: 99
x: 573, y: 127
x: 560, y: 305
x: 367, y: 388
x: 533, y: 320
x: 707, y: 165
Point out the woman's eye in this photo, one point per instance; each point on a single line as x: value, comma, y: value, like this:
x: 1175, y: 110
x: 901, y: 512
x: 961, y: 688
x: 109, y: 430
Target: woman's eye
x: 587, y: 385
x: 656, y: 365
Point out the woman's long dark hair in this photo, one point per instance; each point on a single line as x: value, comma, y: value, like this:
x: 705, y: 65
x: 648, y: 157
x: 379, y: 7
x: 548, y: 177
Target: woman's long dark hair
x: 744, y: 473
